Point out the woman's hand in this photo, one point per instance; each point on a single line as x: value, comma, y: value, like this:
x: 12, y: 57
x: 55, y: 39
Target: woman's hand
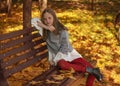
x: 51, y: 63
x: 40, y: 24
x: 50, y: 28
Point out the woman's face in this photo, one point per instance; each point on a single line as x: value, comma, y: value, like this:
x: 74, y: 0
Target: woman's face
x: 48, y: 19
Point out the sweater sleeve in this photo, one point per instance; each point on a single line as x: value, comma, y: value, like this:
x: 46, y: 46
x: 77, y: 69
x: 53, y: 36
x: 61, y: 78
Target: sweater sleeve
x: 34, y: 23
x: 65, y: 46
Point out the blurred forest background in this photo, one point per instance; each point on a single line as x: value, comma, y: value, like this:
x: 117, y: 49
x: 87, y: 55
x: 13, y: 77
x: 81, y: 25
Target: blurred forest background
x: 91, y: 27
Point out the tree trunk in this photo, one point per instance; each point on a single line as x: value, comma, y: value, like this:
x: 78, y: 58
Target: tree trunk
x: 9, y: 4
x: 92, y: 5
x: 3, y: 6
x: 27, y: 13
x: 42, y: 5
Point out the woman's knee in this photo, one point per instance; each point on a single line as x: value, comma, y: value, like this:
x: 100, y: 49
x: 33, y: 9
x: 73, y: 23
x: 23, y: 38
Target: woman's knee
x: 63, y: 64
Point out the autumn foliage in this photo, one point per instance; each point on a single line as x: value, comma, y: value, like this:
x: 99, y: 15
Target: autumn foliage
x: 94, y: 36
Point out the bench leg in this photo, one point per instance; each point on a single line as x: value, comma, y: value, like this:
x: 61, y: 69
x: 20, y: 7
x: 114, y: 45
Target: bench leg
x: 3, y: 81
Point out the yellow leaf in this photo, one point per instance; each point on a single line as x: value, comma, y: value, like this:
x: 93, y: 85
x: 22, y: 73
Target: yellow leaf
x: 51, y: 82
x: 58, y: 77
x: 35, y: 82
x: 72, y: 77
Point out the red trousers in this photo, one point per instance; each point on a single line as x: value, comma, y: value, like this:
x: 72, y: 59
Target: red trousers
x: 78, y: 65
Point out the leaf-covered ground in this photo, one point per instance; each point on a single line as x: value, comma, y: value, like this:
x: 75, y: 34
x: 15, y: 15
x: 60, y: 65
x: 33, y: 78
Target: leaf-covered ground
x: 93, y: 35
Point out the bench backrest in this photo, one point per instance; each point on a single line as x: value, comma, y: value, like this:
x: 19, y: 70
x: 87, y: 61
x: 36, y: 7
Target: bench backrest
x: 18, y: 50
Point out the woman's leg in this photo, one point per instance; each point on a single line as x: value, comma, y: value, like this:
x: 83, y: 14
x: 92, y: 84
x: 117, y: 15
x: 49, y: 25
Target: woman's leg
x: 65, y: 65
x: 78, y: 65
x: 90, y: 78
x: 83, y: 62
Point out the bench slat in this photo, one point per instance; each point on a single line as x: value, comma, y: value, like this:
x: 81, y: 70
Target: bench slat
x: 16, y: 50
x: 77, y: 81
x: 72, y: 82
x: 21, y: 57
x: 47, y: 75
x: 26, y: 46
x: 18, y: 41
x: 15, y: 33
x: 41, y: 76
x: 18, y: 68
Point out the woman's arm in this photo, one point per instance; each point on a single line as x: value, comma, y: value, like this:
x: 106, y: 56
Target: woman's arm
x: 51, y: 28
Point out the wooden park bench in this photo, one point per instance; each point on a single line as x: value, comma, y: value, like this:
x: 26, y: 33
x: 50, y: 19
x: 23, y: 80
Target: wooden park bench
x: 24, y: 48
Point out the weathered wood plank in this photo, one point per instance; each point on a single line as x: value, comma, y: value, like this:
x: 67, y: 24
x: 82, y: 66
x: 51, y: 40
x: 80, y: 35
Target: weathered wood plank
x: 27, y: 48
x: 15, y: 33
